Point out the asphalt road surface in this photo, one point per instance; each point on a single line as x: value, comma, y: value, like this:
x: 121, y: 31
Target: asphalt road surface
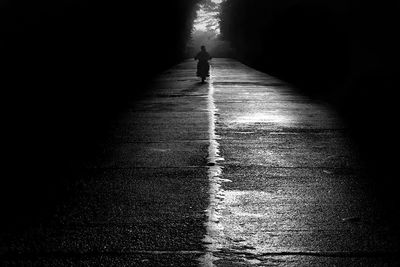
x: 240, y: 171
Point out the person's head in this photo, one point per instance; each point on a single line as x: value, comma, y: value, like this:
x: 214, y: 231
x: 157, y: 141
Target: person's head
x: 203, y: 48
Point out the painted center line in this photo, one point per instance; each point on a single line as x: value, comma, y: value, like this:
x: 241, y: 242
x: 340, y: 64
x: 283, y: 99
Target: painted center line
x: 216, y: 193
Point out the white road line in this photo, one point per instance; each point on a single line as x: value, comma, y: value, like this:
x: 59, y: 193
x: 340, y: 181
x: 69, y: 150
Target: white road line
x: 215, y: 191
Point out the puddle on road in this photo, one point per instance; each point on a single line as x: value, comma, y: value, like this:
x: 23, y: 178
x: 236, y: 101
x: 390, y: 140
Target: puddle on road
x: 267, y: 117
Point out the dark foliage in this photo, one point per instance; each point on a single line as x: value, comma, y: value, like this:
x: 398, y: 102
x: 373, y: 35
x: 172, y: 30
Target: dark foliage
x: 68, y: 68
x: 313, y: 43
x: 343, y: 52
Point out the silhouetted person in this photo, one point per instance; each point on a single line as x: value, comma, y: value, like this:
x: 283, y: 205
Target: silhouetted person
x: 203, y: 67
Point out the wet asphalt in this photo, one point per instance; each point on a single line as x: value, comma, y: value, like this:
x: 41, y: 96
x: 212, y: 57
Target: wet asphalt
x: 239, y: 171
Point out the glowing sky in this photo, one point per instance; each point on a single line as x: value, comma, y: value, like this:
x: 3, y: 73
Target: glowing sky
x: 207, y: 20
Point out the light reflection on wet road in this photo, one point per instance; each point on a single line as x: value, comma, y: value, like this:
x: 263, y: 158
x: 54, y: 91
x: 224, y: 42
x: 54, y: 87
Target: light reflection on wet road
x: 242, y: 171
x: 289, y: 178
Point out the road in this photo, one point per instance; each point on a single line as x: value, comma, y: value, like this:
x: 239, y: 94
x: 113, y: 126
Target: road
x: 240, y: 171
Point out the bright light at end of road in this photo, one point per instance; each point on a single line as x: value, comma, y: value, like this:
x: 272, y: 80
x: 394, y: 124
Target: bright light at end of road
x: 207, y: 17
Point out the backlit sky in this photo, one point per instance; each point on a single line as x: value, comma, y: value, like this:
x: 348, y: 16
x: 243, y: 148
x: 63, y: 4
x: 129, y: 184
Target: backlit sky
x: 206, y: 20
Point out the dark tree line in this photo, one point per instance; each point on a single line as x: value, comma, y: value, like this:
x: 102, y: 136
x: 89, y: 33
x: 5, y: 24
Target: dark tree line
x: 68, y: 68
x: 314, y: 43
x: 340, y: 51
